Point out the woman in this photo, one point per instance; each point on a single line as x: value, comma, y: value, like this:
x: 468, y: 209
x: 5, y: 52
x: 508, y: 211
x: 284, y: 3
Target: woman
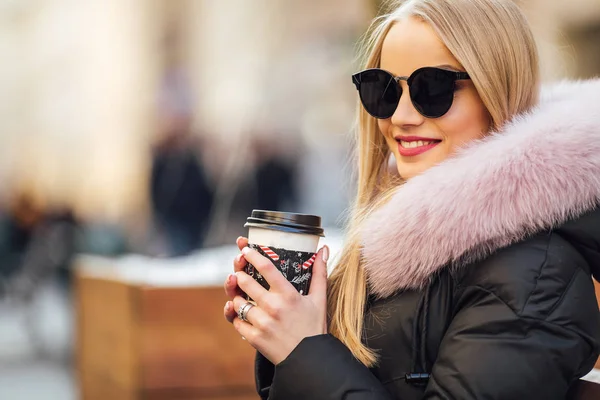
x: 466, y: 275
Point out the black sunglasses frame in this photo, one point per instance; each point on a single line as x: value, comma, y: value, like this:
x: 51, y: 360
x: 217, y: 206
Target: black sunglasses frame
x: 452, y: 75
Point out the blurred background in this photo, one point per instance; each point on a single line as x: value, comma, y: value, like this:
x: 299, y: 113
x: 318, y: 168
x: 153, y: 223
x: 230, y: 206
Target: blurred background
x: 134, y: 131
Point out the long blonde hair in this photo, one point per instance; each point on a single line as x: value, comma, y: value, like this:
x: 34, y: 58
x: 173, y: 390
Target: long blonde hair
x: 493, y: 42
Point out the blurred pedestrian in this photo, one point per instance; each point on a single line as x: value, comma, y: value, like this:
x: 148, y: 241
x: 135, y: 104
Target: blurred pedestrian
x: 180, y: 192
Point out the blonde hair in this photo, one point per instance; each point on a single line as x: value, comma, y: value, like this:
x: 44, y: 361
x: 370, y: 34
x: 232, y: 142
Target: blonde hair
x: 493, y: 42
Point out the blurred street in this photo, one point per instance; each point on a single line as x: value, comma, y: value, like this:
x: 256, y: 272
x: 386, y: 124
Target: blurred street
x: 36, y: 379
x: 35, y: 352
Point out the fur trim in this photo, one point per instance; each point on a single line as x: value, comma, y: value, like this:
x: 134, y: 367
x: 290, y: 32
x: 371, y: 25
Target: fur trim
x: 541, y: 170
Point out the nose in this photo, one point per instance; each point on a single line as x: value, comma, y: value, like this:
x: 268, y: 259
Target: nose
x: 406, y: 114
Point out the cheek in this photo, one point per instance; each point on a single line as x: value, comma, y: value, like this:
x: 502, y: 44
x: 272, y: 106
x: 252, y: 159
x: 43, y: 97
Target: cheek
x: 384, y: 126
x: 467, y: 120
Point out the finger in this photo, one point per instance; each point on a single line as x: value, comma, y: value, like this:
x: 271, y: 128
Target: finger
x: 318, y: 283
x: 231, y: 287
x: 241, y: 242
x: 253, y: 315
x: 272, y: 275
x: 229, y: 312
x: 251, y: 287
x: 239, y: 263
x: 246, y: 330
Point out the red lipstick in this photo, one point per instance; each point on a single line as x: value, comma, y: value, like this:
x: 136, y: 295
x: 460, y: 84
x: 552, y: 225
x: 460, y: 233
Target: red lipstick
x: 415, y: 151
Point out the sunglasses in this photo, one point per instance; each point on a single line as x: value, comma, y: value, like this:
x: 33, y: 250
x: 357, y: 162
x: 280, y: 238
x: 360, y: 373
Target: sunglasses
x: 431, y: 90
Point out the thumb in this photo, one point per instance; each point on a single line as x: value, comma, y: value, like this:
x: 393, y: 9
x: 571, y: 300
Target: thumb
x: 318, y: 284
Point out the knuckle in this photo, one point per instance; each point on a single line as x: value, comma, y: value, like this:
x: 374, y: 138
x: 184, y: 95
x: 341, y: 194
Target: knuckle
x: 237, y: 323
x: 265, y: 266
x: 238, y: 302
x: 265, y: 325
x: 274, y: 309
x: 239, y: 263
x: 291, y: 297
x: 242, y: 278
x: 260, y: 323
x: 250, y: 337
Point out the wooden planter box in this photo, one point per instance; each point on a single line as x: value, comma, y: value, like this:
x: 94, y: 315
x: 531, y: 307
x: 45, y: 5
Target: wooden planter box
x: 136, y: 342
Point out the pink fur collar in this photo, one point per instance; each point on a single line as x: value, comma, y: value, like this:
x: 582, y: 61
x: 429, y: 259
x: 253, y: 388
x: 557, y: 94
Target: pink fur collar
x: 541, y: 170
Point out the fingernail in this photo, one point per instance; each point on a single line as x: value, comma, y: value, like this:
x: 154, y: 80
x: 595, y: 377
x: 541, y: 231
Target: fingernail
x: 238, y: 258
x: 325, y: 253
x: 245, y: 250
x: 227, y: 306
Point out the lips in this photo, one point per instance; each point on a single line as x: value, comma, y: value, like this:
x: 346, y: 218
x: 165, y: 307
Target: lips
x: 409, y: 146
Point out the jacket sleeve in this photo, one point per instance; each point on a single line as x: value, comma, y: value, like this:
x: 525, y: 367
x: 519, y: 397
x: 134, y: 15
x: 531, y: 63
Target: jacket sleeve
x: 491, y: 351
x: 320, y: 367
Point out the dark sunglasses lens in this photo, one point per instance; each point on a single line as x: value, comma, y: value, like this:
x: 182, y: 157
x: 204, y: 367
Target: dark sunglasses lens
x: 432, y: 91
x: 379, y: 93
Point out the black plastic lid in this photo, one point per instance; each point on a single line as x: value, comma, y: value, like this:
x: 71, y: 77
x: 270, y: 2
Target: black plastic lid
x: 285, y: 221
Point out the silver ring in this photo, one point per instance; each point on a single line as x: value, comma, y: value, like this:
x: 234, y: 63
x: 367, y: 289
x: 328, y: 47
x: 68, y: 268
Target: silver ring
x: 243, y: 311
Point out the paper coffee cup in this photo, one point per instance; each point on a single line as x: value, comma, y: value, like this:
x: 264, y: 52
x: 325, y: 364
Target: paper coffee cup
x: 289, y: 240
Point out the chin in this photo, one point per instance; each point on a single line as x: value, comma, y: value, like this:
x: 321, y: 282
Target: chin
x: 407, y: 172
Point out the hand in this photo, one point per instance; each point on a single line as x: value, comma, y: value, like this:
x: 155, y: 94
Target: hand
x: 231, y: 286
x: 282, y: 317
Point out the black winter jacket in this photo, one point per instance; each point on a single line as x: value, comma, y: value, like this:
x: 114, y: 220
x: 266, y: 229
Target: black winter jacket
x: 481, y: 286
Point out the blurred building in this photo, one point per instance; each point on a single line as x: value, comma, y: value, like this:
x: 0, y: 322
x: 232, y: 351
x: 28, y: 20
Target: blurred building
x: 78, y: 112
x: 568, y: 36
x: 79, y: 83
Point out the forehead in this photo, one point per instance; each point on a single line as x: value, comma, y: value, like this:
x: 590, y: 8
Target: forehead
x: 411, y: 44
